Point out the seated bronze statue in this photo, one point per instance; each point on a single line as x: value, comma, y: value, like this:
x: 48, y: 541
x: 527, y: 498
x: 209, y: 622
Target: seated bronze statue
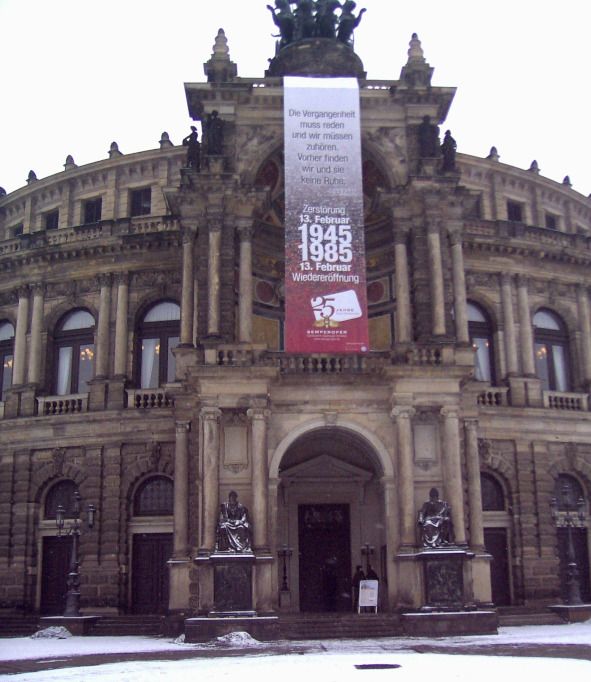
x: 233, y: 531
x: 435, y: 522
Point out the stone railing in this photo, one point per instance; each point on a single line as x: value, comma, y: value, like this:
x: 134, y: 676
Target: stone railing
x: 62, y: 404
x: 146, y: 398
x: 578, y: 402
x: 328, y: 364
x: 493, y: 397
x: 235, y: 355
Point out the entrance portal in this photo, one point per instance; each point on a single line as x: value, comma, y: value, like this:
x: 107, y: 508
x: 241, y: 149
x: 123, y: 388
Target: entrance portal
x: 149, y: 593
x: 325, y: 557
x: 55, y: 566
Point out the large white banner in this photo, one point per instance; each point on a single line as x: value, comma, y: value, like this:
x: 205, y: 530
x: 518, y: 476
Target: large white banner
x: 325, y: 287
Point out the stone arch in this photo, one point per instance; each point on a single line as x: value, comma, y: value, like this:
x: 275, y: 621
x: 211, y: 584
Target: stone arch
x: 482, y: 300
x: 52, y: 472
x: 577, y: 466
x: 66, y: 306
x: 378, y: 448
x: 147, y: 301
x: 144, y: 467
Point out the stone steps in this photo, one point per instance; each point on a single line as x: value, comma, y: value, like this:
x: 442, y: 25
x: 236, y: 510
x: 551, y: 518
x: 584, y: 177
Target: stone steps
x: 18, y: 625
x: 120, y: 626
x: 516, y: 616
x: 362, y: 626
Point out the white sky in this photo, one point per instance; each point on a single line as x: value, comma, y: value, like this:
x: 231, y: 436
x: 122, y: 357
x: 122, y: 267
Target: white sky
x: 78, y: 74
x: 336, y: 664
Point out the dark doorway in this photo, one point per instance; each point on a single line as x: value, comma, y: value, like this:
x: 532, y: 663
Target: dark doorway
x: 325, y: 557
x: 495, y: 541
x: 579, y: 536
x: 55, y: 566
x: 149, y: 587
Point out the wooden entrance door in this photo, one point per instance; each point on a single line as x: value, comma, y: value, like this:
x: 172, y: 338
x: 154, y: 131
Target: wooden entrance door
x: 579, y: 536
x: 495, y: 541
x: 149, y: 583
x: 325, y: 557
x: 55, y: 565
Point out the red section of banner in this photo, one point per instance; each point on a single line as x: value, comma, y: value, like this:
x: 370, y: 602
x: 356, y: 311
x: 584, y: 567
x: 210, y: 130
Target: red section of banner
x: 325, y: 287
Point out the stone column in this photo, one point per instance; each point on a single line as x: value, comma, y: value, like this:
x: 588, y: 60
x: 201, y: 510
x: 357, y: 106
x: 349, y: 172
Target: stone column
x: 459, y: 284
x: 260, y: 474
x: 20, y: 337
x: 509, y: 324
x: 525, y: 328
x: 452, y: 464
x: 36, y: 331
x: 181, y: 490
x: 187, y: 291
x: 436, y: 269
x: 245, y: 230
x: 213, y: 277
x: 585, y: 321
x: 102, y: 345
x: 403, y: 327
x: 404, y: 440
x: 474, y: 488
x: 121, y: 325
x: 210, y: 417
x: 392, y: 537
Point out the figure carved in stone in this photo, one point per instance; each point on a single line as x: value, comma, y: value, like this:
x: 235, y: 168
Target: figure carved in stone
x: 284, y: 20
x: 234, y: 530
x: 448, y: 152
x: 214, y: 134
x: 305, y: 22
x: 435, y: 522
x: 193, y: 149
x: 348, y: 22
x: 428, y: 139
x: 326, y: 19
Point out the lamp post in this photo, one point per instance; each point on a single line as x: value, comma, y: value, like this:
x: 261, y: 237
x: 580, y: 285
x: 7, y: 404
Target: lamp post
x: 367, y: 551
x: 564, y: 515
x: 73, y: 594
x: 285, y: 553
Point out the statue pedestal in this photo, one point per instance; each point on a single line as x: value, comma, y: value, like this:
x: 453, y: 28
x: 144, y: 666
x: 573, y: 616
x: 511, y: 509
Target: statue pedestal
x: 232, y: 584
x: 444, y: 571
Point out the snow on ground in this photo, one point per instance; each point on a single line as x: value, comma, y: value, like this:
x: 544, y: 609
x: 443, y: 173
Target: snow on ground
x: 325, y: 667
x: 335, y: 664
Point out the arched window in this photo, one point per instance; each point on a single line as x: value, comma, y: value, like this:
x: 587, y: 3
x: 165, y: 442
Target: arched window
x: 493, y: 495
x: 551, y: 351
x: 74, y: 353
x: 158, y: 334
x: 154, y: 497
x: 6, y: 357
x: 481, y: 338
x: 60, y: 493
x: 567, y: 491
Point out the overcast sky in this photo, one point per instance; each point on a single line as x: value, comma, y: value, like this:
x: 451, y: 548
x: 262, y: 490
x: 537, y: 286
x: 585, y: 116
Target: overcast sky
x: 79, y: 74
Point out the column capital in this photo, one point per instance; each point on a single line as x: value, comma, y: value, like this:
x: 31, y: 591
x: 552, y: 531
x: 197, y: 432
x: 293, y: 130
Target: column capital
x: 258, y: 413
x: 122, y: 278
x: 450, y: 412
x: 245, y: 229
x: 214, y: 223
x: 188, y: 233
x: 182, y: 426
x: 522, y: 281
x: 471, y: 425
x: 506, y: 278
x: 402, y: 412
x: 401, y: 236
x: 456, y: 237
x: 104, y: 279
x: 210, y: 413
x: 37, y: 287
x: 23, y: 291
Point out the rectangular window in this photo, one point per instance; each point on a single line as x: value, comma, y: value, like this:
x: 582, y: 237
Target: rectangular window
x: 85, y: 367
x: 150, y: 363
x: 173, y: 342
x: 481, y: 358
x: 64, y: 372
x: 7, y: 361
x: 551, y: 221
x: 515, y: 211
x: 52, y: 220
x: 17, y: 230
x: 141, y: 201
x: 92, y: 210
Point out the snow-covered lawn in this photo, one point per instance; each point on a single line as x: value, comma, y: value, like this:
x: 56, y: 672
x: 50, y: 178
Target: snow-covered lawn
x: 328, y: 661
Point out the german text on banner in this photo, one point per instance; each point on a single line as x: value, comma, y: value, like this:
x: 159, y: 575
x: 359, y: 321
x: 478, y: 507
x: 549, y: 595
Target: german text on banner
x: 325, y: 288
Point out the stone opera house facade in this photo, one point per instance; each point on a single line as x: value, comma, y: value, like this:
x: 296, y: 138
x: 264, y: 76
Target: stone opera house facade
x: 142, y: 315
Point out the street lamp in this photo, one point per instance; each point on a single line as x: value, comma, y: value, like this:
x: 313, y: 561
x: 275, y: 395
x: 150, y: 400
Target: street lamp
x: 367, y: 551
x: 564, y: 515
x: 72, y: 609
x: 285, y: 553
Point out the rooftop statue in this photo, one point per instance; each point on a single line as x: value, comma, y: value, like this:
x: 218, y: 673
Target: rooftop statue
x: 448, y: 152
x: 428, y: 139
x: 302, y: 19
x: 191, y: 142
x: 214, y: 134
x: 348, y: 22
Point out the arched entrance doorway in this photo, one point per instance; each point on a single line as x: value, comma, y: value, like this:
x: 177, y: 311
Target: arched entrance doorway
x: 331, y: 514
